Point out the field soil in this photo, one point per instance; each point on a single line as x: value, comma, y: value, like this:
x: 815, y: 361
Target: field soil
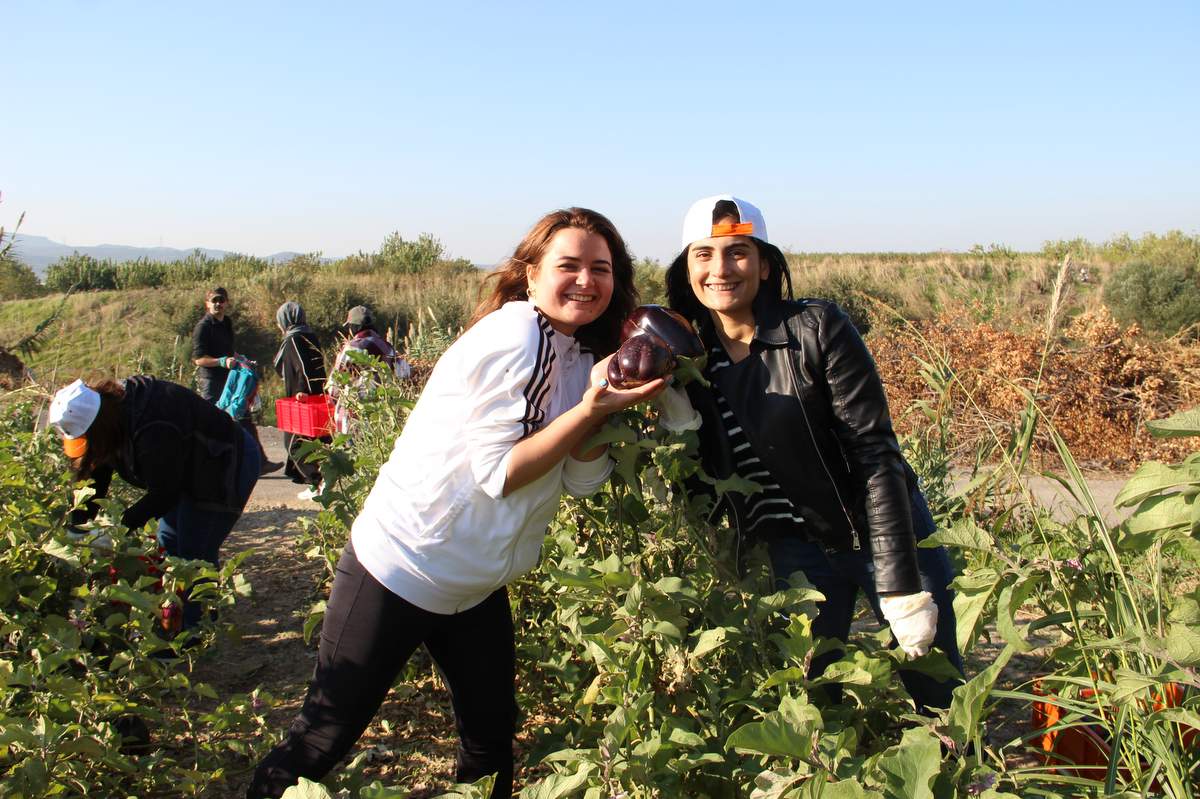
x: 411, y: 741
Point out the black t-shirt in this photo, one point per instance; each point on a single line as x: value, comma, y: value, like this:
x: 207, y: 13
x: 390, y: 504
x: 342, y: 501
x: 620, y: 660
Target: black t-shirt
x: 215, y: 340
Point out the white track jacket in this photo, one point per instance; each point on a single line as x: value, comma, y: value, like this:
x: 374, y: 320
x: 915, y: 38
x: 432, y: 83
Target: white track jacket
x: 435, y: 529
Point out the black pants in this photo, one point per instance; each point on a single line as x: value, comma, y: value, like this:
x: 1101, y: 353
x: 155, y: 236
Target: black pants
x: 301, y: 471
x: 368, y: 635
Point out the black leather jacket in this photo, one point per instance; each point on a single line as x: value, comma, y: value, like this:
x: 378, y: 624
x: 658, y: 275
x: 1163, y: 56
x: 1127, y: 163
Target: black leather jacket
x: 813, y: 408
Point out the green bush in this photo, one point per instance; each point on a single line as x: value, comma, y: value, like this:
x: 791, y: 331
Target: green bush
x: 18, y: 281
x: 82, y: 271
x: 1172, y: 248
x: 409, y: 257
x: 650, y: 278
x: 95, y: 698
x: 1162, y: 298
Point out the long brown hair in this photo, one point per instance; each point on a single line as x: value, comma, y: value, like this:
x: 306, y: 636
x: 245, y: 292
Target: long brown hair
x: 106, y: 433
x: 508, y: 282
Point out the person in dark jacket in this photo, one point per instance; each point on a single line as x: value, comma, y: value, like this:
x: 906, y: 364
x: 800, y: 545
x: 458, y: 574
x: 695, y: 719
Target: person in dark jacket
x: 213, y: 353
x: 196, y: 464
x: 302, y: 366
x: 796, y: 405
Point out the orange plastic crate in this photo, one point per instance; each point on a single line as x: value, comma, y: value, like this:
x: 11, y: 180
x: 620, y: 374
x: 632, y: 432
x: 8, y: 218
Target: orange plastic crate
x: 311, y: 415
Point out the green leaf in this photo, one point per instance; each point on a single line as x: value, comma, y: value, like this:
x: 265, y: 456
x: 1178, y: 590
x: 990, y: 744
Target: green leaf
x: 909, y: 768
x: 1178, y: 425
x: 786, y: 732
x: 1183, y: 644
x: 1011, y: 599
x: 316, y: 615
x: 963, y: 533
x: 683, y: 737
x: 1161, y: 513
x: 844, y: 789
x: 615, y: 432
x: 377, y: 790
x: 710, y: 640
x: 966, y: 708
x: 1186, y: 611
x: 307, y: 789
x: 1130, y: 684
x: 784, y: 677
x: 1156, y: 478
x: 121, y: 592
x: 557, y: 786
x: 972, y: 592
x: 845, y: 672
x: 63, y: 551
x: 738, y: 485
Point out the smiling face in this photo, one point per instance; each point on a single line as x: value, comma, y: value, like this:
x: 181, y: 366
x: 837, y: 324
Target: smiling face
x: 573, y: 282
x: 724, y: 273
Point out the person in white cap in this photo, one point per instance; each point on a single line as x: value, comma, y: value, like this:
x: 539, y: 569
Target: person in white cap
x: 795, y: 404
x: 462, y: 505
x: 195, y: 463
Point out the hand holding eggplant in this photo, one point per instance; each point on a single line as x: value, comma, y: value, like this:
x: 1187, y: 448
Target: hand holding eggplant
x: 654, y: 338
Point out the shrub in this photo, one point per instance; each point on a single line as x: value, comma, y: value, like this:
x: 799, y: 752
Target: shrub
x: 1162, y: 298
x: 17, y: 281
x: 409, y: 257
x: 141, y: 273
x: 82, y: 271
x: 650, y: 278
x: 1172, y: 248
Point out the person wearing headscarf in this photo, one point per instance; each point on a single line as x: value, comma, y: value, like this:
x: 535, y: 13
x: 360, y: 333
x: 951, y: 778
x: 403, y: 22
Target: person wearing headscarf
x: 302, y: 366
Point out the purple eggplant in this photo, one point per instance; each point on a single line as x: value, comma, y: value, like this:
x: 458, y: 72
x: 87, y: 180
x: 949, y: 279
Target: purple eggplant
x: 642, y: 358
x: 668, y: 326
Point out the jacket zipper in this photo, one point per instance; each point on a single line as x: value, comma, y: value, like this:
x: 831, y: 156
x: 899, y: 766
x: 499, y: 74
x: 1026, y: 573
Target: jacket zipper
x: 855, y: 543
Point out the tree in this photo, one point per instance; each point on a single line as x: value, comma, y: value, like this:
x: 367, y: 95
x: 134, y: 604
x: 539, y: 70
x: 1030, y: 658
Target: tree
x: 17, y: 281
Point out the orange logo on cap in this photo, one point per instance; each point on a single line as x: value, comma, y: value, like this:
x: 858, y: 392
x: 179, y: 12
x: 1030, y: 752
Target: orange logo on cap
x: 733, y: 229
x: 75, y: 447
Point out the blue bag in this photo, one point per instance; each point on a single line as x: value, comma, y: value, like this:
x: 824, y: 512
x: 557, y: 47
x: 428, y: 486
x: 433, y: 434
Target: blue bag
x: 240, y: 388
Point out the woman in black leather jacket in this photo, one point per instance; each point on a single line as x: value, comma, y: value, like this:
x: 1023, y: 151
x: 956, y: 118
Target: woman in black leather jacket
x: 796, y: 405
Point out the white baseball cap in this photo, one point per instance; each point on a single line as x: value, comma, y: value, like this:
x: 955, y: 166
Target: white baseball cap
x: 698, y: 224
x: 73, y: 409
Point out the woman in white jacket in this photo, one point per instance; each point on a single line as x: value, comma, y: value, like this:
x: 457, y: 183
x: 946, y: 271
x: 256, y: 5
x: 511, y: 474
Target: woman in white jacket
x: 462, y: 505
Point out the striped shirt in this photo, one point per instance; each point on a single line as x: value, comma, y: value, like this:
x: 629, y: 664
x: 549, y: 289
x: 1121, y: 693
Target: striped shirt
x: 437, y: 528
x: 768, y: 512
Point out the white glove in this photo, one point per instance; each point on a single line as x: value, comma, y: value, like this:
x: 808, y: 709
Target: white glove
x: 913, y: 619
x: 675, y: 410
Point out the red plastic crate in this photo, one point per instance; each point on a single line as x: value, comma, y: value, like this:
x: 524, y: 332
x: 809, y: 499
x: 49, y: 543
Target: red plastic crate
x: 311, y: 415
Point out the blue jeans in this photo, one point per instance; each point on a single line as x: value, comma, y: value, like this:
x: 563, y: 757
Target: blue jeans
x: 190, y: 532
x: 841, y: 575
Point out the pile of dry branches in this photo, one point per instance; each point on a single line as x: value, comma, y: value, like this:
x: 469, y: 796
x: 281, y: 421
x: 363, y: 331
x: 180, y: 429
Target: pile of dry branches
x: 1097, y: 383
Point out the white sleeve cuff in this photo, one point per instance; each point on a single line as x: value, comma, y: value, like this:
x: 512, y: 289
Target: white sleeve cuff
x: 584, y: 478
x: 493, y: 483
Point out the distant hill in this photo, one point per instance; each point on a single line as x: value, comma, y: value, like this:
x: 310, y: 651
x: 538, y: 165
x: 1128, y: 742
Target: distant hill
x: 39, y: 252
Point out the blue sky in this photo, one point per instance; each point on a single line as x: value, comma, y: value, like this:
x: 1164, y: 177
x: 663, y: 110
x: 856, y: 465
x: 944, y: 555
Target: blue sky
x: 261, y: 127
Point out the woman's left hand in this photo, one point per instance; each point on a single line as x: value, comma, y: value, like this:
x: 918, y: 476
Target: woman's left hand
x: 601, y: 399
